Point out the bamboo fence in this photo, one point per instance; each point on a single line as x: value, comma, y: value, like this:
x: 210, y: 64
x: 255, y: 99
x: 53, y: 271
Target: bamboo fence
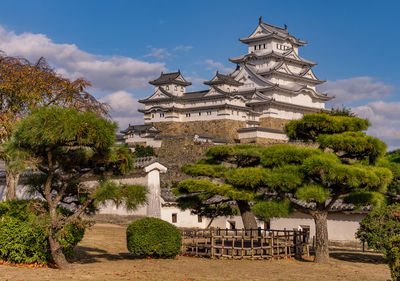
x: 240, y: 243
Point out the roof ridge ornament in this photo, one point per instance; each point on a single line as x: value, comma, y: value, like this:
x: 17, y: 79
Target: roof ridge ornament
x: 260, y: 20
x: 285, y: 26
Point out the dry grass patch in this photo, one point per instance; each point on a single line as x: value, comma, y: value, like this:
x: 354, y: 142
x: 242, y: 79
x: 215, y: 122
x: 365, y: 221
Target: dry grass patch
x: 102, y: 255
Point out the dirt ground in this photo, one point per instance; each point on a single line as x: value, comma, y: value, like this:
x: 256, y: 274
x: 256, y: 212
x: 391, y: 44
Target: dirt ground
x: 102, y: 255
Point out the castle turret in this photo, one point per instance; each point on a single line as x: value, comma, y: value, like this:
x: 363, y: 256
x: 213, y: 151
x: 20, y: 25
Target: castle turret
x: 224, y: 82
x: 173, y: 83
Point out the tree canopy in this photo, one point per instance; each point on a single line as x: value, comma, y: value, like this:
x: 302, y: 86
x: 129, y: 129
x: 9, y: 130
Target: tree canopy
x: 73, y: 153
x: 274, y: 180
x: 24, y: 86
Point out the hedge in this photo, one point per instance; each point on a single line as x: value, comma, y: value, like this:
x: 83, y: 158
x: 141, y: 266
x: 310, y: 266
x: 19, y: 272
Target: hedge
x: 24, y: 236
x: 152, y: 237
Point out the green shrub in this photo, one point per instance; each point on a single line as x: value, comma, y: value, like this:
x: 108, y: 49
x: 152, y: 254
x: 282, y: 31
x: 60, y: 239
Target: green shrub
x: 393, y: 257
x: 379, y: 226
x: 24, y: 236
x: 151, y: 237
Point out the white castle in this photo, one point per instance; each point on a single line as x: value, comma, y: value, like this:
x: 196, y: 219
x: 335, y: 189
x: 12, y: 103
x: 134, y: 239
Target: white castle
x: 271, y: 85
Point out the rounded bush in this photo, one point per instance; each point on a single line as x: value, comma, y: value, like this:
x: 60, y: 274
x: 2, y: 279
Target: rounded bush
x: 23, y: 233
x: 152, y: 237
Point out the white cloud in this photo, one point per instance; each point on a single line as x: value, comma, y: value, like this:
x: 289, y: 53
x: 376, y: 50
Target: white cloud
x: 107, y: 73
x: 159, y: 53
x: 183, y: 48
x: 348, y: 91
x: 124, y: 108
x: 218, y: 66
x: 385, y: 119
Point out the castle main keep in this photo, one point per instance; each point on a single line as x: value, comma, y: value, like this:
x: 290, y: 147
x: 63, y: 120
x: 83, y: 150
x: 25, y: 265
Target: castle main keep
x: 271, y: 85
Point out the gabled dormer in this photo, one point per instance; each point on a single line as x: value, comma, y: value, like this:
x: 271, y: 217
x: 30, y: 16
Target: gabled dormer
x: 266, y: 38
x: 173, y: 83
x: 224, y: 82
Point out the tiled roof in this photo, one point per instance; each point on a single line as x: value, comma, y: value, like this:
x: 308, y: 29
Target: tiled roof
x: 142, y: 162
x: 168, y: 196
x: 140, y: 129
x: 339, y: 205
x: 269, y: 31
x: 223, y: 79
x: 168, y: 78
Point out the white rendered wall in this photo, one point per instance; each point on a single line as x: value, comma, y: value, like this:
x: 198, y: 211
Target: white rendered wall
x: 261, y: 134
x: 341, y: 227
x: 184, y: 218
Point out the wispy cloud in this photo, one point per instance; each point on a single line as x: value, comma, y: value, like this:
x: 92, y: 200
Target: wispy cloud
x: 365, y: 96
x: 159, y: 53
x: 183, y: 48
x: 214, y: 65
x: 385, y: 119
x: 107, y: 73
x: 349, y: 91
x: 124, y: 108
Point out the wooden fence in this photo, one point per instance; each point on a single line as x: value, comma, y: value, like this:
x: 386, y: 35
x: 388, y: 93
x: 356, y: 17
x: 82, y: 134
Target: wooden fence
x: 241, y: 243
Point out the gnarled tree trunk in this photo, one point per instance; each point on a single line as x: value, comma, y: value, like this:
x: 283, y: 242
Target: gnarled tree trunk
x: 12, y: 179
x: 249, y: 221
x: 56, y: 251
x: 321, y: 236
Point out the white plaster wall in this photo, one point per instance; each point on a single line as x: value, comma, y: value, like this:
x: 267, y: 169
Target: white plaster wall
x: 260, y: 134
x: 184, y: 218
x: 111, y: 209
x: 341, y: 227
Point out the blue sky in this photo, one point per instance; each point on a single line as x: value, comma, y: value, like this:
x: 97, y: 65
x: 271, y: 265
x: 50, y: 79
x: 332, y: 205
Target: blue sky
x: 120, y: 45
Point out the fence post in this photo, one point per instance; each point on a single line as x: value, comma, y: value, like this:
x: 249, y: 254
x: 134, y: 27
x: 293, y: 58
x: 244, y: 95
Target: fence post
x: 212, y: 243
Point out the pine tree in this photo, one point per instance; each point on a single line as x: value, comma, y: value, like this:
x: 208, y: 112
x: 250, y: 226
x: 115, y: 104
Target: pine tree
x: 68, y: 148
x: 26, y: 85
x: 337, y: 161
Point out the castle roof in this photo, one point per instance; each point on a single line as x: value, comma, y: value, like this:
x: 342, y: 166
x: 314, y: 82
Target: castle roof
x: 170, y: 78
x: 220, y: 79
x: 284, y: 56
x: 265, y: 31
x: 140, y: 129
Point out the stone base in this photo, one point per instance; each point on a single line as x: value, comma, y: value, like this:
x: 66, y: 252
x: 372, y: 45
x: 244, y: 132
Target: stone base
x: 223, y: 129
x: 273, y: 123
x: 176, y: 152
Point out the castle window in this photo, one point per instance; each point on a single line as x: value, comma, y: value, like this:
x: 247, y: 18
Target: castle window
x: 259, y: 47
x: 208, y: 112
x: 167, y: 87
x: 174, y: 218
x: 264, y: 46
x: 162, y: 114
x: 199, y: 113
x: 176, y: 88
x: 255, y: 47
x: 187, y: 114
x: 181, y: 89
x: 152, y: 116
x: 199, y: 218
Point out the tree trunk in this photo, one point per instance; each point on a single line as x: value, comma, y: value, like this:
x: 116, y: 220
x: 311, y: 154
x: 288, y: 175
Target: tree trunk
x: 321, y: 236
x: 56, y: 252
x: 209, y: 224
x: 249, y: 221
x: 12, y: 179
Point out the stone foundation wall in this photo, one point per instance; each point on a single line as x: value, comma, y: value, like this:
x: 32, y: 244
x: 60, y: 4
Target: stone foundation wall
x: 176, y: 152
x: 273, y: 123
x: 224, y: 129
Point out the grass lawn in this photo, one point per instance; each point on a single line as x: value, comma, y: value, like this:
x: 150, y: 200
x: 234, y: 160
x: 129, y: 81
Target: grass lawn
x: 102, y: 255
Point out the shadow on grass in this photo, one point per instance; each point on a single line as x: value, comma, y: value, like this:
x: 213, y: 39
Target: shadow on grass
x: 349, y: 255
x: 86, y: 255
